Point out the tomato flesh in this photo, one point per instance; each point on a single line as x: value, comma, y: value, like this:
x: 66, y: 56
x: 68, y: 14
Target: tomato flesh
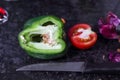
x: 82, y: 36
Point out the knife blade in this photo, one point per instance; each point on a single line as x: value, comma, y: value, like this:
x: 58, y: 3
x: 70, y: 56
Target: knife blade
x: 65, y: 66
x: 73, y: 67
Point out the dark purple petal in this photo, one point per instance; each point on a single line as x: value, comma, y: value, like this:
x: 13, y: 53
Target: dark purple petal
x: 100, y: 22
x: 111, y: 55
x: 108, y: 31
x: 116, y: 22
x: 114, y: 56
x: 109, y: 16
x: 113, y: 19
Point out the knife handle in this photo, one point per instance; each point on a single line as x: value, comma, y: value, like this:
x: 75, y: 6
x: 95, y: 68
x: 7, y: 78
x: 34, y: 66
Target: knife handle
x: 102, y: 67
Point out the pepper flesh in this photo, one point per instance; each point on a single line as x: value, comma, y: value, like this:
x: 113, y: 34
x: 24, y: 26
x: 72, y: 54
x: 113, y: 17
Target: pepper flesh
x: 42, y: 37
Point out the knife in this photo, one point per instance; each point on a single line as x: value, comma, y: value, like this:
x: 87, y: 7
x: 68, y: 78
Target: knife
x: 73, y: 67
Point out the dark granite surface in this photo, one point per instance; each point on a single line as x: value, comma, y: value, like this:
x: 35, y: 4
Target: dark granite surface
x: 74, y: 11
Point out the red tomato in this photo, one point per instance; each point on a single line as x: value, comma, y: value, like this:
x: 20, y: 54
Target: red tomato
x: 82, y: 37
x: 2, y: 11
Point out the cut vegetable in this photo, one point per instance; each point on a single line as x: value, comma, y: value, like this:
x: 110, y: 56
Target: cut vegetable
x: 114, y: 56
x: 109, y: 28
x: 42, y: 37
x: 82, y: 36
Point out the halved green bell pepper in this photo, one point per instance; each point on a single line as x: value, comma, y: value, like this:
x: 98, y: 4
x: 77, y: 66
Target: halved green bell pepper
x: 42, y: 37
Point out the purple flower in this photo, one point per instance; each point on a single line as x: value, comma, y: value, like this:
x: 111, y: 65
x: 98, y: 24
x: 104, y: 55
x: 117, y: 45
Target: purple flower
x: 114, y: 56
x: 108, y: 27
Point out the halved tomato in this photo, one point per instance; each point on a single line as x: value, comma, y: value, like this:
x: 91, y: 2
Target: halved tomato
x: 81, y: 36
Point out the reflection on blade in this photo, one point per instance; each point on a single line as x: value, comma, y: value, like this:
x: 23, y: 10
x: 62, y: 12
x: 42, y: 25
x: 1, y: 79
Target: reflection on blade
x: 65, y: 66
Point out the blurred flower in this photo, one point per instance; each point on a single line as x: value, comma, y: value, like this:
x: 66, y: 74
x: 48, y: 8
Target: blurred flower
x: 110, y: 26
x: 114, y: 56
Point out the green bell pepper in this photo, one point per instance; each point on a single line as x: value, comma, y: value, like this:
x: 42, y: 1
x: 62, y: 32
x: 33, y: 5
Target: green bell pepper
x: 42, y: 37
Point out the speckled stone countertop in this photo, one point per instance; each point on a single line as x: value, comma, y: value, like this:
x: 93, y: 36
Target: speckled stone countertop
x: 73, y: 11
